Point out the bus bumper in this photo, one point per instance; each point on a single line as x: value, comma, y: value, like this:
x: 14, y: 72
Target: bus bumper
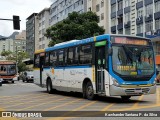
x: 131, y: 91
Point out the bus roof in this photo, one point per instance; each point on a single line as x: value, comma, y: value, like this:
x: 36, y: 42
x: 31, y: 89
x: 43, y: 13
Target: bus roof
x: 87, y: 40
x: 78, y: 42
x: 39, y: 51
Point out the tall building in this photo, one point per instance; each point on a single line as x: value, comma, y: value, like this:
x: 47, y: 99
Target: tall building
x: 31, y: 34
x: 60, y: 8
x: 101, y: 8
x: 135, y: 17
x: 43, y: 23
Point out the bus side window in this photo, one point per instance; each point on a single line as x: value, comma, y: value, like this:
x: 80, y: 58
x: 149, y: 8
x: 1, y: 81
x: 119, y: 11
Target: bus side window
x: 60, y: 57
x: 46, y: 62
x: 76, y: 55
x: 53, y: 58
x: 86, y: 54
x: 70, y: 56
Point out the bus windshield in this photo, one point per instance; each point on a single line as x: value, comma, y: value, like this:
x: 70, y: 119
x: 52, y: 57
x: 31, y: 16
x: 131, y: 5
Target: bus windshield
x: 133, y: 60
x: 7, y: 69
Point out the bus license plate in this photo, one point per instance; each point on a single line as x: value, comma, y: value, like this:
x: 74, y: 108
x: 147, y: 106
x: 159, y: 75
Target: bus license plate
x: 138, y: 91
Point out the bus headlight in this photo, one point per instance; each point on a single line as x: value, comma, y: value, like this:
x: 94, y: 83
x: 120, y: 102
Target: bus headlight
x: 115, y: 82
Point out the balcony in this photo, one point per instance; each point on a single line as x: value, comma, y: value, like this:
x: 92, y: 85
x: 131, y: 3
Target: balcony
x: 113, y: 28
x: 120, y: 26
x: 127, y: 24
x: 139, y: 5
x: 139, y: 20
x: 149, y: 18
x: 156, y: 15
x: 127, y: 9
x: 113, y: 15
x: 120, y: 12
x: 147, y: 2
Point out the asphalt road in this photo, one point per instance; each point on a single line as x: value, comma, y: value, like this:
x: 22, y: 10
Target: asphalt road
x: 30, y: 97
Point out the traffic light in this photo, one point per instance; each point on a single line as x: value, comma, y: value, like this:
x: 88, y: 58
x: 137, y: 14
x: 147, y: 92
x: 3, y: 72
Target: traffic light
x: 16, y: 22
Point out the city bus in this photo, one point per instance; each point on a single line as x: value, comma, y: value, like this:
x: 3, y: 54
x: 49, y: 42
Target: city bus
x: 105, y: 65
x: 8, y: 70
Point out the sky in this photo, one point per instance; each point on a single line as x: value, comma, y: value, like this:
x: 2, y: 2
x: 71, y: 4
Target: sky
x: 21, y: 8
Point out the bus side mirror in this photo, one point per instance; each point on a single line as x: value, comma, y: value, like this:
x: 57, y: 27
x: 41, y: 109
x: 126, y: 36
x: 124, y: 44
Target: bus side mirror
x: 110, y: 51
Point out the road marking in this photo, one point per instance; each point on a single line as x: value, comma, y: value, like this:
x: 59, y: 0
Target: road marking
x: 19, y: 100
x: 107, y: 107
x: 29, y: 101
x: 139, y: 99
x: 16, y: 96
x: 43, y: 103
x: 62, y: 105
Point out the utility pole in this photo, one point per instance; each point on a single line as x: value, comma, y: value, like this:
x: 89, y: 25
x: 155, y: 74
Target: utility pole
x: 16, y: 22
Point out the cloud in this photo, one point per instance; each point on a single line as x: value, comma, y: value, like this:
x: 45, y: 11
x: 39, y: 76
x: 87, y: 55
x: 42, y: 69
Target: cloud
x: 22, y: 8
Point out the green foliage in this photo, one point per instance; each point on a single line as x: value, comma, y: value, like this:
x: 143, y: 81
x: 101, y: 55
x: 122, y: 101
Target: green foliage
x: 75, y: 26
x: 22, y: 67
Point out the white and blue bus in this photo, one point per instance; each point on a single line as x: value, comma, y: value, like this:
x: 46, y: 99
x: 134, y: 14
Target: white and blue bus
x: 105, y: 65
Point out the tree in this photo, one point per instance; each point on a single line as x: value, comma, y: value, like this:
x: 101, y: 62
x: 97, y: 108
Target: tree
x: 75, y: 26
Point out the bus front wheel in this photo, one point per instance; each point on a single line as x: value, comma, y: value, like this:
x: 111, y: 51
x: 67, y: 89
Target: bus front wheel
x: 89, y: 91
x: 49, y: 86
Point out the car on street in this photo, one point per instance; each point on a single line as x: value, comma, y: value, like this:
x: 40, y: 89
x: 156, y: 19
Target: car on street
x: 26, y: 76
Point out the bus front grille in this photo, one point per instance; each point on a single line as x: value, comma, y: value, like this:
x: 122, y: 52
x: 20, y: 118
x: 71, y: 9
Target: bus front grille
x: 136, y: 91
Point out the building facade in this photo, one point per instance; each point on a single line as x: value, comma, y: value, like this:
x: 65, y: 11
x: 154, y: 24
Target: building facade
x: 135, y: 17
x: 101, y: 8
x: 43, y: 23
x: 31, y: 34
x: 60, y: 9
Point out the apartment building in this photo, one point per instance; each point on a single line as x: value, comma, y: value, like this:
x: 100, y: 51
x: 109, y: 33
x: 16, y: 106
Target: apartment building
x: 43, y: 23
x: 60, y: 9
x: 135, y: 17
x: 17, y: 45
x: 101, y: 8
x: 31, y: 34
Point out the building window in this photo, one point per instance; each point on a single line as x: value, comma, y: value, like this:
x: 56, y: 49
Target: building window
x: 149, y: 9
x: 102, y: 16
x: 102, y: 3
x: 127, y: 3
x: 97, y: 8
x: 157, y: 24
x: 113, y: 21
x: 149, y: 26
x: 140, y: 12
x: 157, y: 6
x: 120, y: 5
x: 139, y: 28
x: 113, y: 8
x: 127, y: 17
x: 127, y: 31
x: 89, y: 9
x: 120, y: 31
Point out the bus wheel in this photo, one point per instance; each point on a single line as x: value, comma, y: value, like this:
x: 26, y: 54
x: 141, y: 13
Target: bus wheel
x: 89, y: 91
x: 49, y: 86
x: 12, y: 81
x: 125, y: 98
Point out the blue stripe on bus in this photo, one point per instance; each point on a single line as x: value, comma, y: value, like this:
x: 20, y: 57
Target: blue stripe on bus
x: 68, y: 67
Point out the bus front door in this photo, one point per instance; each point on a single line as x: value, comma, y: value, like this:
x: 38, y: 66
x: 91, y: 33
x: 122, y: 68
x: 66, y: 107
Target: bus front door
x: 100, y: 69
x: 41, y: 69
